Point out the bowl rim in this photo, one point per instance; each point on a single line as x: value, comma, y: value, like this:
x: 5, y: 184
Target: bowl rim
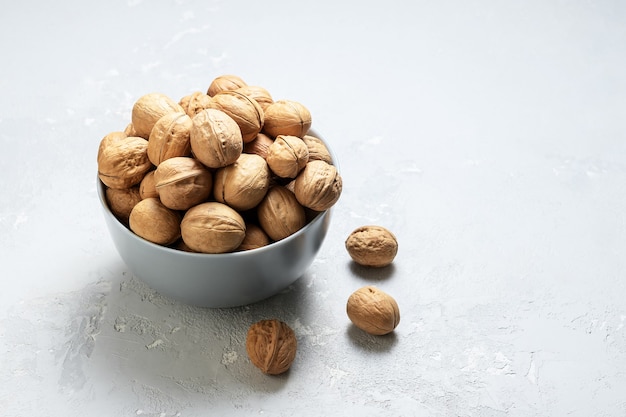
x: 319, y: 216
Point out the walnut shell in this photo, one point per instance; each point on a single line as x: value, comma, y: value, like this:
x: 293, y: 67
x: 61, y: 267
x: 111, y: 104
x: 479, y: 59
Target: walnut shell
x: 148, y: 109
x: 182, y: 182
x: 372, y: 246
x: 122, y: 161
x: 258, y: 94
x: 318, y: 186
x: 287, y: 156
x: 271, y: 346
x: 169, y: 138
x: 212, y: 227
x: 225, y: 83
x: 122, y: 201
x: 373, y: 311
x: 317, y: 149
x: 287, y: 117
x: 130, y: 130
x: 255, y: 238
x: 147, y: 186
x: 243, y: 184
x: 215, y: 138
x: 280, y: 215
x: 151, y: 220
x: 245, y: 111
x: 259, y: 146
x: 195, y: 102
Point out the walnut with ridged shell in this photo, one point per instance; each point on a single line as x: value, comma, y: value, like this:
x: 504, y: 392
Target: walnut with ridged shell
x: 287, y: 156
x: 287, y: 117
x: 182, y: 182
x: 148, y: 109
x: 318, y: 186
x: 212, y: 227
x: 151, y: 220
x: 122, y: 160
x: 280, y: 215
x: 373, y: 311
x: 271, y: 346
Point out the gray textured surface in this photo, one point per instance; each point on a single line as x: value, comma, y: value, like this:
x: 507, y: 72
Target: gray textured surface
x: 489, y: 136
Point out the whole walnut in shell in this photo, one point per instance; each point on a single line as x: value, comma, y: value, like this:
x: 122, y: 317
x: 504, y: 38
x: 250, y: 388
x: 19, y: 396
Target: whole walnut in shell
x: 195, y: 102
x: 287, y: 117
x: 373, y: 311
x: 317, y: 149
x: 148, y: 109
x: 182, y: 182
x: 280, y: 215
x: 225, y: 82
x: 373, y: 246
x: 122, y: 201
x: 255, y: 238
x: 287, y: 156
x: 151, y: 220
x: 169, y: 138
x: 242, y: 184
x: 122, y: 161
x: 271, y: 346
x: 130, y: 130
x: 259, y: 146
x: 258, y: 94
x: 212, y: 227
x: 318, y: 186
x: 246, y: 112
x: 215, y: 138
x: 147, y: 186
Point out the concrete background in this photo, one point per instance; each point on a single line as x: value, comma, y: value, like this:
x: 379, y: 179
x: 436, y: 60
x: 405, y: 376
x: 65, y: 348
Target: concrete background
x: 489, y: 136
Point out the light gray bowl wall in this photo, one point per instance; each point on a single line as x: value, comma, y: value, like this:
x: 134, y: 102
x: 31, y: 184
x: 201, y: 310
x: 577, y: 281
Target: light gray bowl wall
x: 218, y: 280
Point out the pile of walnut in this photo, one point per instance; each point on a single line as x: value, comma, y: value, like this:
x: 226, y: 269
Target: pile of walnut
x: 216, y: 172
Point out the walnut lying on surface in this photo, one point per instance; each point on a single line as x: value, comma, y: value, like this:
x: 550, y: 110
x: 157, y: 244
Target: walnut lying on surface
x: 271, y: 346
x: 373, y: 311
x: 372, y: 246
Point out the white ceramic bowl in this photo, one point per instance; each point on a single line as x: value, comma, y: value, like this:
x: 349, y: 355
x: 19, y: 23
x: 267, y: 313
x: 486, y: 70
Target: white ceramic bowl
x: 218, y: 280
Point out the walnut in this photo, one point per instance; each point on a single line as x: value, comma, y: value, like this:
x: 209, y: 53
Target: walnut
x: 181, y: 245
x: 215, y: 138
x: 372, y: 246
x: 122, y: 161
x: 151, y: 220
x: 245, y: 111
x: 280, y: 215
x: 147, y: 186
x: 195, y: 102
x: 373, y: 311
x: 225, y: 83
x: 255, y: 238
x: 148, y: 109
x: 122, y: 201
x: 243, y: 184
x: 271, y: 346
x: 182, y: 182
x: 260, y: 145
x: 317, y: 149
x: 287, y: 156
x: 130, y: 130
x: 212, y: 227
x: 287, y: 117
x: 318, y: 186
x: 258, y: 94
x: 169, y: 138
